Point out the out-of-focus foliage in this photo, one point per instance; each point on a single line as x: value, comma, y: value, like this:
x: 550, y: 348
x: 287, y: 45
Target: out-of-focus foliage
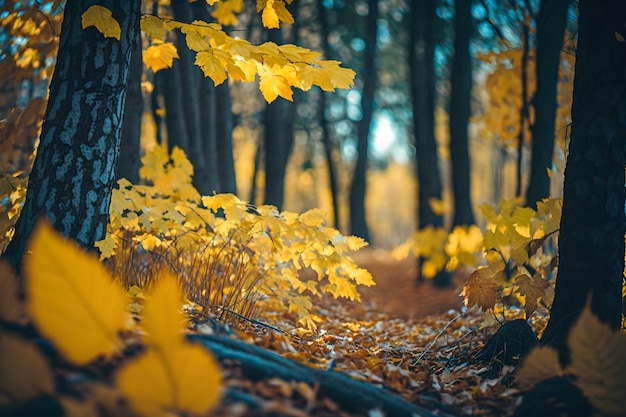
x: 518, y: 246
x: 597, y: 364
x: 229, y: 255
x: 77, y: 305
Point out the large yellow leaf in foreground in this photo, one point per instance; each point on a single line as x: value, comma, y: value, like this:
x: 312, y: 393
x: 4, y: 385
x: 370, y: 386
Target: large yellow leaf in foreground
x: 72, y: 298
x: 173, y: 374
x: 186, y: 380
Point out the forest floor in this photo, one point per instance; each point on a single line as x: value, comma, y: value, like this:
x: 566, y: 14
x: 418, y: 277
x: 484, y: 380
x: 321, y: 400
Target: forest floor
x: 412, y: 339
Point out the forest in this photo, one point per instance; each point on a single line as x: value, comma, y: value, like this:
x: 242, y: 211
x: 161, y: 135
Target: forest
x: 312, y: 208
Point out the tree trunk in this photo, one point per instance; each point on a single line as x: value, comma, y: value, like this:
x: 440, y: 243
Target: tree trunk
x: 326, y: 140
x: 224, y: 133
x: 278, y: 138
x: 550, y: 29
x: 421, y: 55
x: 205, y: 175
x: 129, y: 160
x: 74, y: 170
x: 591, y: 242
x: 523, y: 113
x: 358, y: 223
x: 460, y: 96
x: 167, y: 81
x: 210, y: 115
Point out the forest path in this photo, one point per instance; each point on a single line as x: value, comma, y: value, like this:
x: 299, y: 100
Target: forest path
x: 397, y: 293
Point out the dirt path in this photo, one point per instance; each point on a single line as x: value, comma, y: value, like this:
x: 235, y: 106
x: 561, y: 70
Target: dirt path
x: 396, y: 292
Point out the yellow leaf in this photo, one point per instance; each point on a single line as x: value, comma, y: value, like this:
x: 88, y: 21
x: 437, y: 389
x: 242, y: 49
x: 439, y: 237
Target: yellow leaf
x: 273, y: 85
x: 541, y: 363
x: 211, y: 66
x: 160, y: 56
x: 162, y: 317
x: 154, y: 27
x: 186, y: 379
x: 532, y: 289
x: 274, y: 12
x: 482, y: 286
x: 25, y: 374
x: 597, y: 360
x: 619, y: 37
x: 71, y: 297
x: 102, y: 19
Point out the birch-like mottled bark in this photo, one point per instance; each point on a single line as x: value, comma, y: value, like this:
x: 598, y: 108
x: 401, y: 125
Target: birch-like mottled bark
x: 74, y: 170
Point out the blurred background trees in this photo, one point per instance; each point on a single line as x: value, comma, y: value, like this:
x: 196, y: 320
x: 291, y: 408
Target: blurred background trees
x: 456, y: 103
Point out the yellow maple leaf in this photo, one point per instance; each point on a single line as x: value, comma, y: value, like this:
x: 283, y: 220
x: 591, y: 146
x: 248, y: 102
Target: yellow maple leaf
x: 532, y: 289
x: 483, y: 285
x: 154, y: 27
x: 160, y: 56
x: 25, y: 374
x: 274, y: 12
x: 211, y: 66
x: 102, y: 19
x: 274, y: 84
x: 340, y: 77
x: 71, y: 297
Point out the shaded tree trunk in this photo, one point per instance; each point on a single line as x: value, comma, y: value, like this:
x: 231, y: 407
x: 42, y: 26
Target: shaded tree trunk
x: 205, y: 175
x: 523, y: 116
x: 461, y: 85
x: 550, y: 30
x: 278, y: 138
x: 421, y: 55
x: 326, y: 139
x: 130, y: 158
x: 74, y: 170
x: 208, y: 110
x: 224, y: 132
x: 591, y: 242
x: 358, y: 223
x: 167, y: 82
x: 421, y: 66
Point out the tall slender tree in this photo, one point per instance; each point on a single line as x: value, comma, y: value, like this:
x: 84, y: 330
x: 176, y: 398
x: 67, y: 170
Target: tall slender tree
x: 74, y: 170
x: 591, y: 241
x: 550, y: 31
x: 421, y: 57
x: 278, y: 139
x: 358, y: 223
x: 129, y: 160
x: 460, y: 97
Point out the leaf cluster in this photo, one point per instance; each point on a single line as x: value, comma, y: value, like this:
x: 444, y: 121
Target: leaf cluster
x: 228, y: 254
x: 74, y: 302
x: 517, y: 253
x: 220, y: 56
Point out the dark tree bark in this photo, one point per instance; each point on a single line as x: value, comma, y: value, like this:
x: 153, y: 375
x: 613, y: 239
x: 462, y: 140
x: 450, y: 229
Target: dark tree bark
x: 326, y: 139
x: 460, y: 97
x: 421, y: 56
x: 591, y: 242
x: 278, y: 138
x: 358, y: 223
x: 74, y: 171
x: 523, y: 114
x: 167, y: 82
x: 550, y: 30
x: 224, y: 127
x: 129, y: 160
x: 215, y: 123
x: 205, y: 173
